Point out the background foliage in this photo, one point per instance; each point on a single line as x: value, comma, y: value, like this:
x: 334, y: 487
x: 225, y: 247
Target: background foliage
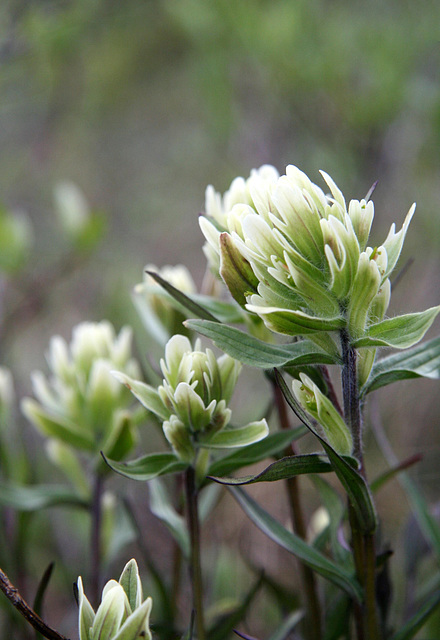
x: 144, y: 103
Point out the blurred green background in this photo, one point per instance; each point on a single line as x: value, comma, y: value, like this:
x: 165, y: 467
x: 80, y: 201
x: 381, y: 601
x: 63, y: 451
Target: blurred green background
x: 142, y: 103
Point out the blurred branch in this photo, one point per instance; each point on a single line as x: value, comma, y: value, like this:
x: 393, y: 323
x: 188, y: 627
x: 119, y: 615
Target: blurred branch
x: 24, y: 609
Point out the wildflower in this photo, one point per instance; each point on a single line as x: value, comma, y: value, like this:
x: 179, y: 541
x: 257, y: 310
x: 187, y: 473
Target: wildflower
x: 80, y: 403
x: 122, y: 614
x: 192, y: 401
x: 298, y: 258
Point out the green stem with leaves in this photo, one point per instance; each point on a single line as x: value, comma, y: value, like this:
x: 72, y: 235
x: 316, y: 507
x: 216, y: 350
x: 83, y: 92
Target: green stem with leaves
x: 192, y: 511
x: 363, y: 545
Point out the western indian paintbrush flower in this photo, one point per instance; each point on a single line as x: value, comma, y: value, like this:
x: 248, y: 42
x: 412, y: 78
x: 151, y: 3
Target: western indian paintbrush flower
x: 192, y: 401
x: 123, y: 614
x: 81, y: 404
x: 300, y: 260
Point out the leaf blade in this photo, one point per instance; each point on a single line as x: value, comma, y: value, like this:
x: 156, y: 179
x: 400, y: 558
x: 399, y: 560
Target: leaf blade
x: 257, y: 353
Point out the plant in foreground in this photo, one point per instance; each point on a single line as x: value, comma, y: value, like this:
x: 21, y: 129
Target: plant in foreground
x: 297, y: 260
x: 123, y: 614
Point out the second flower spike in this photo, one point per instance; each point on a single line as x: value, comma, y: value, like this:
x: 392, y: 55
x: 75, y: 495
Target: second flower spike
x: 192, y: 401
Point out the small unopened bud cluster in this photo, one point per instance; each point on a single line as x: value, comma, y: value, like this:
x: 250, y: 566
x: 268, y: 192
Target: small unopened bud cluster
x: 123, y: 613
x: 192, y: 401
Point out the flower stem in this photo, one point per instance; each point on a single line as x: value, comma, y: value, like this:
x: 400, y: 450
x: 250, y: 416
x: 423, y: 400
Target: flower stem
x: 195, y: 560
x: 363, y: 545
x: 313, y: 621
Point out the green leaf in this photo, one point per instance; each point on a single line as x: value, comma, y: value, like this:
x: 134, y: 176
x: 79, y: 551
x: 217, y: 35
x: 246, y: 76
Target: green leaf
x: 282, y: 469
x: 235, y: 437
x: 273, y: 444
x: 296, y: 545
x: 287, y: 625
x: 255, y: 352
x: 389, y: 474
x: 36, y: 497
x: 417, y: 621
x: 148, y: 467
x: 183, y: 299
x: 223, y: 628
x: 162, y: 507
x: 400, y: 332
x: 353, y: 483
x: 422, y: 361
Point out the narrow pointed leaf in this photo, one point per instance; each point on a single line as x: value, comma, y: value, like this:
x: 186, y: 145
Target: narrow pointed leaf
x: 255, y: 352
x: 287, y: 625
x: 36, y: 497
x: 417, y: 621
x: 235, y: 437
x: 400, y: 332
x: 422, y: 361
x: 274, y: 443
x: 353, y: 483
x: 282, y: 469
x: 148, y: 467
x: 224, y: 627
x: 296, y: 545
x: 162, y: 507
x: 183, y: 299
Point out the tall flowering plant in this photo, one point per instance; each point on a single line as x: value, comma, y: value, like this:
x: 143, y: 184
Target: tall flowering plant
x: 313, y: 294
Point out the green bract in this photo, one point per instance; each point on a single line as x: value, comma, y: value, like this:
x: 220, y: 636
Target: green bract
x: 122, y: 614
x: 298, y: 258
x: 323, y: 410
x: 81, y: 403
x: 192, y: 401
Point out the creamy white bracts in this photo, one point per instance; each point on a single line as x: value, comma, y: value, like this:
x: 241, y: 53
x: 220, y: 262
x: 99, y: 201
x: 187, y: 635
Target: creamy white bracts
x: 123, y: 613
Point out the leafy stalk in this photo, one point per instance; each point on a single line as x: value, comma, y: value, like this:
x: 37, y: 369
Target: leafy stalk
x: 363, y: 543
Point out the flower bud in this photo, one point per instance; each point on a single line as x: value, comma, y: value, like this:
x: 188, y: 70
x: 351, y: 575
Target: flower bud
x: 321, y: 408
x: 192, y: 400
x: 122, y: 614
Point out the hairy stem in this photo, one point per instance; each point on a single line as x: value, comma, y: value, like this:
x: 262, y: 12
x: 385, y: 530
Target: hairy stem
x: 313, y: 622
x: 363, y: 545
x: 25, y: 610
x: 192, y: 512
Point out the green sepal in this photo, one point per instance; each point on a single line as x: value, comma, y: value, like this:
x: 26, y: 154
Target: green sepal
x: 148, y: 467
x: 282, y: 469
x: 422, y: 361
x: 256, y: 353
x: 296, y: 545
x: 236, y: 270
x: 400, y: 332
